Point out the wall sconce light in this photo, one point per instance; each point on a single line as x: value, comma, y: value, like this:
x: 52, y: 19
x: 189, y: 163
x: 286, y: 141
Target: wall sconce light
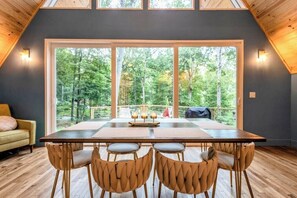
x: 262, y: 55
x: 25, y: 54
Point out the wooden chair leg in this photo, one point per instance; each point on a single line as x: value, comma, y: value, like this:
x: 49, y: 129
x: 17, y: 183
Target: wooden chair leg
x: 194, y: 195
x: 108, y: 155
x: 115, y: 157
x: 63, y: 180
x: 154, y: 176
x: 55, y: 183
x: 215, y: 185
x: 135, y: 155
x: 231, y: 178
x: 248, y: 183
x: 206, y: 194
x: 159, y: 192
x: 145, y: 191
x: 183, y: 156
x: 134, y: 194
x: 110, y: 194
x: 102, y: 194
x: 175, y: 194
x: 69, y: 182
x: 90, y: 181
x: 178, y: 156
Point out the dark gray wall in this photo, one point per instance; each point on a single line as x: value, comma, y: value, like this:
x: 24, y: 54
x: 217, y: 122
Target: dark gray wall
x: 294, y: 111
x: 22, y: 86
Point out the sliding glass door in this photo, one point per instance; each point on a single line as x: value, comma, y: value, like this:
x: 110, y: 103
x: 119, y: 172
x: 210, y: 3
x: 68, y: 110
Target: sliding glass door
x: 207, y: 78
x: 109, y: 79
x: 83, y: 85
x: 144, y: 80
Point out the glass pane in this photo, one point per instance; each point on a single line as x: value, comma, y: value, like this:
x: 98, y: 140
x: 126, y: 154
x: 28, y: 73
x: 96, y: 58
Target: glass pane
x: 221, y: 5
x: 120, y: 4
x: 169, y: 4
x: 67, y: 4
x: 144, y: 81
x: 83, y: 85
x: 207, y: 78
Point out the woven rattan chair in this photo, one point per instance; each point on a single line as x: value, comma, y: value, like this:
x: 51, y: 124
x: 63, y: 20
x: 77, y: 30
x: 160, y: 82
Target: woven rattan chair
x: 186, y: 177
x: 169, y: 148
x: 225, y: 153
x: 221, y: 149
x: 121, y: 176
x: 79, y: 158
x: 122, y: 149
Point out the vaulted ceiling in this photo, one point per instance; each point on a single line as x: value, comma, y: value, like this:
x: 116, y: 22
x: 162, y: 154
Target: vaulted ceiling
x: 221, y: 4
x: 15, y: 15
x: 277, y: 18
x: 67, y: 4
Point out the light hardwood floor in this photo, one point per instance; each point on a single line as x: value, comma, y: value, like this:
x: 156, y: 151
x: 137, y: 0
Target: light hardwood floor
x: 273, y: 173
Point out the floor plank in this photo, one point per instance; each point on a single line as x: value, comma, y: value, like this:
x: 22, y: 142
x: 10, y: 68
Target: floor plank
x: 272, y: 174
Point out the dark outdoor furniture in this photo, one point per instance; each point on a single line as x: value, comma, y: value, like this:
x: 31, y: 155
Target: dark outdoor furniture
x: 198, y: 112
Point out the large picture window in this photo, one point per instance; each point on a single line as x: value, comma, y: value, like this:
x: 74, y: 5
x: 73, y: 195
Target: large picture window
x: 207, y: 76
x: 103, y: 79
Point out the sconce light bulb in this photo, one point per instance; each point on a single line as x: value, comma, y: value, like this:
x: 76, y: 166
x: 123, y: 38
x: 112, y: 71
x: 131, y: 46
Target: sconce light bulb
x: 25, y: 55
x: 262, y: 56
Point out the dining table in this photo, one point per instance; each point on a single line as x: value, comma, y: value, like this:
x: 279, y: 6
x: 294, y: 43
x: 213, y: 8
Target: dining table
x: 194, y: 130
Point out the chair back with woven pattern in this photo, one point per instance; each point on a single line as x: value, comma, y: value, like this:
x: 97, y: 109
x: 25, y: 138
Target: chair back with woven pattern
x: 77, y: 146
x: 246, y: 155
x: 4, y: 110
x: 56, y: 157
x: 121, y: 176
x: 186, y: 177
x: 224, y: 147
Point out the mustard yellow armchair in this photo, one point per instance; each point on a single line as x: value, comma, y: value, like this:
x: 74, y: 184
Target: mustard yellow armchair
x: 23, y: 135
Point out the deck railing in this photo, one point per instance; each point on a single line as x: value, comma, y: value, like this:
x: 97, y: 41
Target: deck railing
x: 225, y: 115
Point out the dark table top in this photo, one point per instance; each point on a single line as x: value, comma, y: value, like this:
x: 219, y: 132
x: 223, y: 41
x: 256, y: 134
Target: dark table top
x: 213, y: 135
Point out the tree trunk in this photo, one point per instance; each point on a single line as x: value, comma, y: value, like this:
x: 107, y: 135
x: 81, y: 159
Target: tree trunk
x: 72, y: 99
x: 78, y: 87
x: 73, y: 87
x: 219, y: 85
x: 143, y: 83
x: 82, y: 115
x: 191, y: 72
x: 119, y: 66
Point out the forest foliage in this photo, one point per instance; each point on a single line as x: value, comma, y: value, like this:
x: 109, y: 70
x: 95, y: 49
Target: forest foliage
x: 207, y: 77
x: 152, y: 3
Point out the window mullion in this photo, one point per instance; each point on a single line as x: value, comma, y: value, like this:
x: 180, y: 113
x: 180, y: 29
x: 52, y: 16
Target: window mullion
x: 175, y: 83
x: 113, y: 82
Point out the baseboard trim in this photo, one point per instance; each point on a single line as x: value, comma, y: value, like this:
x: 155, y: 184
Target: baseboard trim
x: 275, y: 142
x: 294, y: 143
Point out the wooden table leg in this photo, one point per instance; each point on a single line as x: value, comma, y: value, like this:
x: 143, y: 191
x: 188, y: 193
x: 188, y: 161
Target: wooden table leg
x: 237, y: 148
x: 67, y: 167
